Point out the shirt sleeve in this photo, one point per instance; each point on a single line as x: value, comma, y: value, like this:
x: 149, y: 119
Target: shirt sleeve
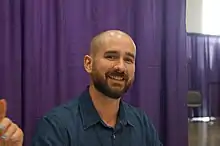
x: 50, y: 132
x: 152, y: 137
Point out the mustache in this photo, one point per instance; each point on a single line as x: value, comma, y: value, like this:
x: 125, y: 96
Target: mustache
x: 118, y: 73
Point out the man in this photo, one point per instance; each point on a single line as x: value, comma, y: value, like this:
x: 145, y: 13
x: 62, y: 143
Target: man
x: 98, y: 117
x: 11, y: 134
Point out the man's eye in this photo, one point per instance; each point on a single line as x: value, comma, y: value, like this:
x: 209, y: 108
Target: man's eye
x: 128, y: 60
x: 111, y: 57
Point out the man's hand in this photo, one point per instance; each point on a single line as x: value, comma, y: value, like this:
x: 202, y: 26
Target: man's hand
x: 10, y: 133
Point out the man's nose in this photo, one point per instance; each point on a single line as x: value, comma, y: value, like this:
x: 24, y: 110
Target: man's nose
x: 120, y: 65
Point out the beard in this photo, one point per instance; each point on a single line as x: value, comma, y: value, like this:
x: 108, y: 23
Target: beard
x: 114, y: 90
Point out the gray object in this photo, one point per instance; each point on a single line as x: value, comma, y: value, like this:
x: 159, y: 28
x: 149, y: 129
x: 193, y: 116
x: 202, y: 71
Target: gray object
x: 194, y: 100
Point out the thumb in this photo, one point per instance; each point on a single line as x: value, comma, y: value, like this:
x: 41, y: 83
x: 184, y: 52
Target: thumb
x: 3, y: 108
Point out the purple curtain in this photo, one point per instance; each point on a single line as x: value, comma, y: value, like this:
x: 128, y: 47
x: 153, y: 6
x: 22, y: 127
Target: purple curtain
x: 204, y: 71
x: 43, y: 43
x: 11, y: 58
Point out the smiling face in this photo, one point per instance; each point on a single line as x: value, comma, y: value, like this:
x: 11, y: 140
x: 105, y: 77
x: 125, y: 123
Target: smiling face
x: 112, y: 67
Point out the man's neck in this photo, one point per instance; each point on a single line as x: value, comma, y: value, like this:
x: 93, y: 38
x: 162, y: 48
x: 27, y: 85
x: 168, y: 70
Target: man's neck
x: 106, y: 107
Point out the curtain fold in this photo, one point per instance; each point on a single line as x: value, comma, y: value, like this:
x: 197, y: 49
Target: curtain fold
x: 11, y: 58
x: 203, y: 53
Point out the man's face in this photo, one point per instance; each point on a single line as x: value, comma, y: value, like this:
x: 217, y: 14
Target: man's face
x: 113, y: 67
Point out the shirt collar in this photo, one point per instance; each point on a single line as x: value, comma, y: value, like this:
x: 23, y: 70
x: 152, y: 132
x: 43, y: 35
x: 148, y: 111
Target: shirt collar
x: 90, y: 115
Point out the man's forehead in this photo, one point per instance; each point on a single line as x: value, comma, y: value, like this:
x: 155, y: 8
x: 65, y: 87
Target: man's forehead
x: 117, y: 45
x: 109, y: 38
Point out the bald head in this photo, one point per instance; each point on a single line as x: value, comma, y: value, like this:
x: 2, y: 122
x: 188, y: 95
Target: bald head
x: 101, y: 39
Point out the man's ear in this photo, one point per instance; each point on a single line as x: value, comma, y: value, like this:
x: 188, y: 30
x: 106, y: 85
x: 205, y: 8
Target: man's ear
x: 88, y: 63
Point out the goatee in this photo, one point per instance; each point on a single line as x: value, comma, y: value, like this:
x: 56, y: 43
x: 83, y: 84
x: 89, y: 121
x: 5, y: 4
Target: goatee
x: 101, y: 84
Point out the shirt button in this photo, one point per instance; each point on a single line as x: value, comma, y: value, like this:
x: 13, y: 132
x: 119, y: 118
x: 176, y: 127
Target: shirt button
x: 113, y: 136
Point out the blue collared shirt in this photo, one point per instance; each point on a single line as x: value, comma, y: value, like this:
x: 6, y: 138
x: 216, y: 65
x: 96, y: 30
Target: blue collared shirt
x: 77, y: 123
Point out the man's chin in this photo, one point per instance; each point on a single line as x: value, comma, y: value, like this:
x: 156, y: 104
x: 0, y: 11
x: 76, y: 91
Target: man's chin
x: 114, y: 96
x: 116, y: 86
x: 115, y: 93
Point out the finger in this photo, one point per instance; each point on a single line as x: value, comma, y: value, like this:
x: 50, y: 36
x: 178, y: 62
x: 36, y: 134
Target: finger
x: 9, y: 132
x: 4, y: 124
x: 17, y: 136
x: 3, y: 143
x: 3, y: 108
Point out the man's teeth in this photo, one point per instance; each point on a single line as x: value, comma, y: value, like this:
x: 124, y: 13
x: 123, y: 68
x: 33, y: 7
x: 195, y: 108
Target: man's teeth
x: 117, y: 77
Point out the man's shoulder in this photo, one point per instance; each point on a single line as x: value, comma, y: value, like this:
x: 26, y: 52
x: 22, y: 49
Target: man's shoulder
x: 130, y: 108
x: 54, y: 125
x: 141, y: 121
x: 64, y: 112
x: 135, y: 113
